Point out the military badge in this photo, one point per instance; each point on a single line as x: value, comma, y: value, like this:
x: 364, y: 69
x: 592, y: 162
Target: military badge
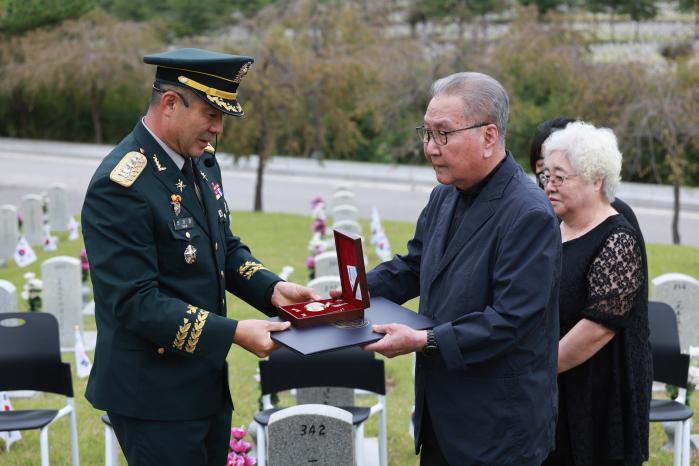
x: 175, y: 200
x: 190, y: 254
x: 217, y: 190
x: 203, y: 176
x: 157, y: 164
x: 180, y: 185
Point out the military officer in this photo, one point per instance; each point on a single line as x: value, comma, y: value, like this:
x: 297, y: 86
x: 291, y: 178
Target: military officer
x: 157, y: 232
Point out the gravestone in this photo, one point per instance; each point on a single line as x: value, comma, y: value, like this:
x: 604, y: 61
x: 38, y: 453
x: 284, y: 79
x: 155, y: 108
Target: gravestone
x: 61, y: 296
x: 343, y: 197
x: 32, y: 219
x: 323, y: 285
x: 8, y: 297
x: 333, y: 396
x: 348, y: 226
x: 326, y: 264
x: 9, y: 231
x: 58, y: 207
x: 681, y: 292
x: 311, y: 434
x: 345, y: 212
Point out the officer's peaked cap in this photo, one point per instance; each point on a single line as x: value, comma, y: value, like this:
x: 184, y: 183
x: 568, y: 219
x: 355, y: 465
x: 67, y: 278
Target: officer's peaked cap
x: 212, y: 76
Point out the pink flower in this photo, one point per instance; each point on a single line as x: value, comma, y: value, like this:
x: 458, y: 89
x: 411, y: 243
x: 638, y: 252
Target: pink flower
x: 238, y: 432
x: 250, y: 460
x: 240, y: 446
x: 310, y: 262
x: 315, y: 201
x: 318, y: 225
x: 84, y: 264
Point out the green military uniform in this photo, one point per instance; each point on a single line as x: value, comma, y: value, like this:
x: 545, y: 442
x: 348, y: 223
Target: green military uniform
x: 160, y: 267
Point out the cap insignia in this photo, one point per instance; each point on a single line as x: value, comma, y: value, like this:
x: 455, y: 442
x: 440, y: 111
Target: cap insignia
x: 128, y: 169
x: 242, y: 72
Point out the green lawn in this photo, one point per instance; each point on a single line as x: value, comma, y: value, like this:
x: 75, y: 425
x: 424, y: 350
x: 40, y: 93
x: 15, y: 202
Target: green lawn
x: 280, y: 240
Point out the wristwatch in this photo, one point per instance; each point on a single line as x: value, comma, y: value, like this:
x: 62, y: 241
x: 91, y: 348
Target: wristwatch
x: 431, y: 347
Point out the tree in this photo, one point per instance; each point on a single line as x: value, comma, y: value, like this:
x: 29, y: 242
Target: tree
x: 692, y: 6
x: 25, y: 15
x: 662, y: 130
x: 90, y: 57
x: 639, y: 10
x: 317, y: 76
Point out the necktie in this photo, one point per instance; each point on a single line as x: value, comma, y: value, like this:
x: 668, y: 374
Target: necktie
x: 188, y: 171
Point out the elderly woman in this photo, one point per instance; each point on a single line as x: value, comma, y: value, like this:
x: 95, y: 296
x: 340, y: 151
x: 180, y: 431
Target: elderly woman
x: 604, y: 365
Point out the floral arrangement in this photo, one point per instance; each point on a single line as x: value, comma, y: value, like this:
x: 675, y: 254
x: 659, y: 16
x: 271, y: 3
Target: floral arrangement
x: 319, y: 228
x: 31, y: 291
x: 239, y: 448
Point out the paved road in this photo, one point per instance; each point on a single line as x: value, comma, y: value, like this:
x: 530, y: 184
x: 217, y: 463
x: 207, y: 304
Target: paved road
x: 286, y: 190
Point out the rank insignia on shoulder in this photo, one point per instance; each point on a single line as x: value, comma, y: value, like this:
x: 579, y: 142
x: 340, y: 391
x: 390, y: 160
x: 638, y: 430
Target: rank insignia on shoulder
x: 250, y: 268
x: 128, y: 169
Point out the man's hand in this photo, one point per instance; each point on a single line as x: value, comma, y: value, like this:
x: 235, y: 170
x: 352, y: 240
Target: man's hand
x: 291, y: 293
x: 254, y: 336
x: 336, y: 293
x: 399, y: 339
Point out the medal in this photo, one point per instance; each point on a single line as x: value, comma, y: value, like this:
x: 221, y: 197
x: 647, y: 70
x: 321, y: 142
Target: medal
x: 314, y: 307
x: 175, y: 200
x: 190, y: 254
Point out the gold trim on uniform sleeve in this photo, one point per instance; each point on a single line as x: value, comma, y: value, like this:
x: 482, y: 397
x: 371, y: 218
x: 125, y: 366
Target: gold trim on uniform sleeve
x: 191, y: 309
x: 196, y: 333
x: 128, y: 169
x: 181, y: 334
x: 250, y: 268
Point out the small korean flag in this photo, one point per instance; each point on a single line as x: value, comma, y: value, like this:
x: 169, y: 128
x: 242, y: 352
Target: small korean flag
x: 50, y: 242
x: 82, y: 361
x: 73, y: 229
x: 9, y: 437
x: 24, y: 254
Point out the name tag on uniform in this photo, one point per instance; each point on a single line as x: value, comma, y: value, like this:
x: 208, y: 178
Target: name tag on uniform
x: 183, y: 223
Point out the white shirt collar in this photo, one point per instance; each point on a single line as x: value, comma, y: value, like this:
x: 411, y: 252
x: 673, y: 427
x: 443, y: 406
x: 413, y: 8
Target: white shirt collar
x: 177, y: 158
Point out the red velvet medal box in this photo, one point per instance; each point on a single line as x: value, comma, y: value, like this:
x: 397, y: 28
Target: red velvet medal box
x: 354, y: 299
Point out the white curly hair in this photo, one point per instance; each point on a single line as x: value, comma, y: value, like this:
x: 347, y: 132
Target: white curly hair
x: 593, y: 153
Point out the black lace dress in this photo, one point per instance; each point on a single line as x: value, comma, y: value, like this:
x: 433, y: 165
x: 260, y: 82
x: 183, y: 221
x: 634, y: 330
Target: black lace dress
x: 603, y: 403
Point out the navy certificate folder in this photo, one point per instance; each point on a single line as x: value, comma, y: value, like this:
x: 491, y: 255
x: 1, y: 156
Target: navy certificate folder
x: 329, y: 337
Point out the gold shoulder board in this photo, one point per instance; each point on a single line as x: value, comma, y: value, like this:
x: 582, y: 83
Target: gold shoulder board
x: 210, y: 149
x: 128, y: 169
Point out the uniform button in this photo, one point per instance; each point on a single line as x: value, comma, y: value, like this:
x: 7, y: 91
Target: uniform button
x: 161, y: 350
x: 187, y: 235
x: 216, y: 245
x: 221, y: 273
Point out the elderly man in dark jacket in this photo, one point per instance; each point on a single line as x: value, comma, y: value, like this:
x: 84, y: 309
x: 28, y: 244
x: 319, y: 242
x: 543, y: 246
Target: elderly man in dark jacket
x: 485, y: 261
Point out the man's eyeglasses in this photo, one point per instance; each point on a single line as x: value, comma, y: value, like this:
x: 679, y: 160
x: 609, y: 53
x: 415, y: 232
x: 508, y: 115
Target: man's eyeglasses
x: 439, y: 137
x: 555, y: 180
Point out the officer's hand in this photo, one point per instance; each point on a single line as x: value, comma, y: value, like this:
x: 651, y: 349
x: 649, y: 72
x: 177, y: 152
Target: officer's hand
x: 398, y: 339
x: 254, y: 336
x: 336, y: 293
x: 291, y: 293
